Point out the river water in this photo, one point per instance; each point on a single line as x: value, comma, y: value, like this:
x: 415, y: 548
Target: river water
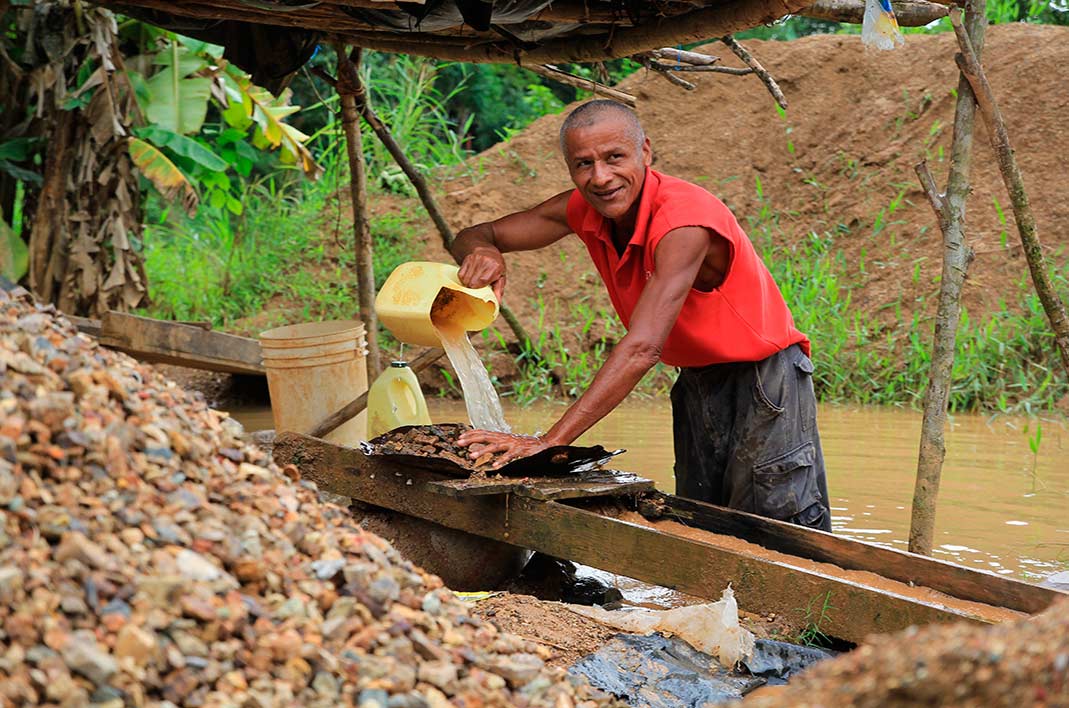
x: 994, y: 513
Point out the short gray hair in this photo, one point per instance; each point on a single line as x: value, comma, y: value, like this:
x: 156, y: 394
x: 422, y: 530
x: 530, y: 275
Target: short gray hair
x: 591, y: 112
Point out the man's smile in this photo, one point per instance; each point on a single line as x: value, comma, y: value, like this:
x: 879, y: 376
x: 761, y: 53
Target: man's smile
x: 608, y: 194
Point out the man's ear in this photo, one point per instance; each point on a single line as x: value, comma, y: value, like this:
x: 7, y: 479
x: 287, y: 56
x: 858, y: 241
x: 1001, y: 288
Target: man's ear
x: 647, y: 152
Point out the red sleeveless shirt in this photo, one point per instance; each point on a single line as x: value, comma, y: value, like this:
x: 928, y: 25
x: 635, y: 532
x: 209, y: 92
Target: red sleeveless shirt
x: 744, y: 319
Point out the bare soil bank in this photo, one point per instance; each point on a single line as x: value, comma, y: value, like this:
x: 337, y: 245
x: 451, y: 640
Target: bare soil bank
x: 858, y: 122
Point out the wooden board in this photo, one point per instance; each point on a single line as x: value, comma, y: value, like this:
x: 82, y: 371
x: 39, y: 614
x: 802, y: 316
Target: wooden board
x: 181, y: 344
x: 595, y: 483
x: 849, y: 554
x: 762, y: 583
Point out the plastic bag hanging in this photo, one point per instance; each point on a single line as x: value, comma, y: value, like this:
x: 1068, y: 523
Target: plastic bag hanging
x: 879, y: 28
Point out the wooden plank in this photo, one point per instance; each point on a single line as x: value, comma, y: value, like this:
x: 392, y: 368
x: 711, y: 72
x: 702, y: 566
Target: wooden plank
x: 595, y: 483
x: 697, y: 565
x: 181, y: 344
x: 910, y: 568
x: 86, y: 325
x: 468, y: 487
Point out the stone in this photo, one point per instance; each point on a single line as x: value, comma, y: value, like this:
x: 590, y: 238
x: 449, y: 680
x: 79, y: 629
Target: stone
x: 135, y: 643
x: 442, y: 674
x: 85, y: 656
x: 153, y: 556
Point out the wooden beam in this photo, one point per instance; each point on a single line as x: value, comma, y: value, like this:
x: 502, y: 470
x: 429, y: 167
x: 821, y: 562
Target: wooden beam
x: 181, y: 344
x: 612, y: 43
x: 909, y: 13
x: 909, y: 568
x: 698, y: 563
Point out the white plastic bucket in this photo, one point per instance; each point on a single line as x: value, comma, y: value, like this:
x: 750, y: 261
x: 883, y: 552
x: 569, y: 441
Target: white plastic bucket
x: 313, y: 369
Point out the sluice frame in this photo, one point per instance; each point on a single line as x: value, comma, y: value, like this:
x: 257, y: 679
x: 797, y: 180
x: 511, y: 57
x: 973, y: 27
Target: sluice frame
x: 782, y: 570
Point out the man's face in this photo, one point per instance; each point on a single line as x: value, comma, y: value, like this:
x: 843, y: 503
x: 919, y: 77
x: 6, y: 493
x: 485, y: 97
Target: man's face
x: 607, y: 165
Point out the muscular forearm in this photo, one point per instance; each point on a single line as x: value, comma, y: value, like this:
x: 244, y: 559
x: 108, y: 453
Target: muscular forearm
x: 472, y: 239
x: 618, y: 376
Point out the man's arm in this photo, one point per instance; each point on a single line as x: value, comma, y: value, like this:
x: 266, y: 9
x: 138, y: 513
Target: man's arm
x: 478, y: 249
x: 678, y: 258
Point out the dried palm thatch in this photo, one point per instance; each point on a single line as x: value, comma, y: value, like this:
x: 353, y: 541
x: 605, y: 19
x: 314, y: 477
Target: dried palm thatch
x: 271, y: 39
x: 87, y: 219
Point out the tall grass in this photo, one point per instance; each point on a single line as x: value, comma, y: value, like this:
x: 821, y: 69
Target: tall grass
x: 1004, y: 361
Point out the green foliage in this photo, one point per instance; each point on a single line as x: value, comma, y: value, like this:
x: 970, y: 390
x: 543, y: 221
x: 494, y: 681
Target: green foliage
x: 14, y: 255
x: 175, y: 101
x: 1006, y: 361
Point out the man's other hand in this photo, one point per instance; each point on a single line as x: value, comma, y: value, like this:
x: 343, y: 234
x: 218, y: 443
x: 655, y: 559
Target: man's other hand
x: 506, y: 447
x: 484, y: 266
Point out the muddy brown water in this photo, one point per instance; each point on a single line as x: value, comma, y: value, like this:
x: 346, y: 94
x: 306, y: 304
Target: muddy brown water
x: 994, y: 512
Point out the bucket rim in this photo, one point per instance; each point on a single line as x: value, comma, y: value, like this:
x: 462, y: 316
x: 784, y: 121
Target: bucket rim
x: 313, y: 361
x: 325, y: 332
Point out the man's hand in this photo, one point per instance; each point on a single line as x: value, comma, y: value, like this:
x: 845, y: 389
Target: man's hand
x: 505, y: 446
x: 484, y: 266
x: 478, y: 248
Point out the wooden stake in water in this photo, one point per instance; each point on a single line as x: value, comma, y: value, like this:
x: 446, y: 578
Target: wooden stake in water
x: 484, y: 407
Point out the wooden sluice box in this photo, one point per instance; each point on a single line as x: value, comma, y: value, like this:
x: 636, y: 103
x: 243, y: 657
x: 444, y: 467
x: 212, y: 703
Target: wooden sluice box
x: 618, y: 522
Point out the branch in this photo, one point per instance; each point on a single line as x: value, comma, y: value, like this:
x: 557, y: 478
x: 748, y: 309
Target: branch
x: 732, y: 70
x: 682, y: 56
x: 1011, y: 177
x: 930, y: 190
x: 563, y: 77
x: 666, y: 72
x: 748, y: 59
x: 909, y: 13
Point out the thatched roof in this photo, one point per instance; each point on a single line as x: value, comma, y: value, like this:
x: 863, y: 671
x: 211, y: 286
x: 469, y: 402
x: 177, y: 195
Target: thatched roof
x: 522, y: 31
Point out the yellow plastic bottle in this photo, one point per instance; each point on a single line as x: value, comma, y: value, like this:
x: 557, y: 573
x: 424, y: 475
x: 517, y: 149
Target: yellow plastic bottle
x: 394, y: 400
x: 418, y: 292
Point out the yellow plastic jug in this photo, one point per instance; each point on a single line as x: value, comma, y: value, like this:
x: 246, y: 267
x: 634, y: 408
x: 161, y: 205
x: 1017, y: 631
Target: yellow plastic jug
x: 419, y: 290
x: 395, y: 399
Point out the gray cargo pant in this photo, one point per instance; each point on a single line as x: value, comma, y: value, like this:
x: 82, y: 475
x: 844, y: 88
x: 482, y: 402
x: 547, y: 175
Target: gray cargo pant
x: 746, y: 437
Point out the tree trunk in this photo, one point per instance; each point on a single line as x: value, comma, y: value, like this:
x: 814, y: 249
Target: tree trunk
x: 348, y: 68
x: 950, y: 211
x: 972, y: 70
x: 50, y: 221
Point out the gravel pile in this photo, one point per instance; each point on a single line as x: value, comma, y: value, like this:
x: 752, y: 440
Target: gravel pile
x: 1014, y: 664
x: 149, y: 557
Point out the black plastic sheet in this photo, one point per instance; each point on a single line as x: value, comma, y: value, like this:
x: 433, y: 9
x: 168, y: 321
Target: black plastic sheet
x: 661, y: 672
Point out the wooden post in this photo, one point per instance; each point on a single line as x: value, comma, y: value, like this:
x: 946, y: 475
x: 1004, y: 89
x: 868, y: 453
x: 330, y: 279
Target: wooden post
x: 971, y: 69
x: 363, y: 106
x: 950, y: 212
x: 348, y: 72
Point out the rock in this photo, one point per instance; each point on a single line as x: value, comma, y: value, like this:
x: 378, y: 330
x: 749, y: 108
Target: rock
x: 150, y: 556
x: 442, y: 674
x: 84, y: 655
x: 194, y: 566
x: 516, y: 669
x: 135, y: 643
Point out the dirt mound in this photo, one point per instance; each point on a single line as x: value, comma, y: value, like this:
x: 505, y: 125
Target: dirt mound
x: 1022, y: 663
x: 840, y: 162
x: 147, y: 555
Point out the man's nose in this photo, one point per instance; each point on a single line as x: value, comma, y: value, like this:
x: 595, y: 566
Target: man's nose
x: 602, y: 173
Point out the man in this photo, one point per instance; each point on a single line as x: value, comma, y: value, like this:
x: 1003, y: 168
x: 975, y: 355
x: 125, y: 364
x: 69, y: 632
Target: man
x: 692, y: 292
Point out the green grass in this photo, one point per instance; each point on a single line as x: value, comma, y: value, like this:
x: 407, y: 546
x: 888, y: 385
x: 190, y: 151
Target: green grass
x: 1005, y: 362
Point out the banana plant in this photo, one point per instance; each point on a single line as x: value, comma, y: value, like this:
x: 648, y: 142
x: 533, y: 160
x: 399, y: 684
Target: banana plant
x: 175, y: 99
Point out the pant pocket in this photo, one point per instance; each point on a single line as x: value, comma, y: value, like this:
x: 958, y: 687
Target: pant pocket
x: 786, y: 485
